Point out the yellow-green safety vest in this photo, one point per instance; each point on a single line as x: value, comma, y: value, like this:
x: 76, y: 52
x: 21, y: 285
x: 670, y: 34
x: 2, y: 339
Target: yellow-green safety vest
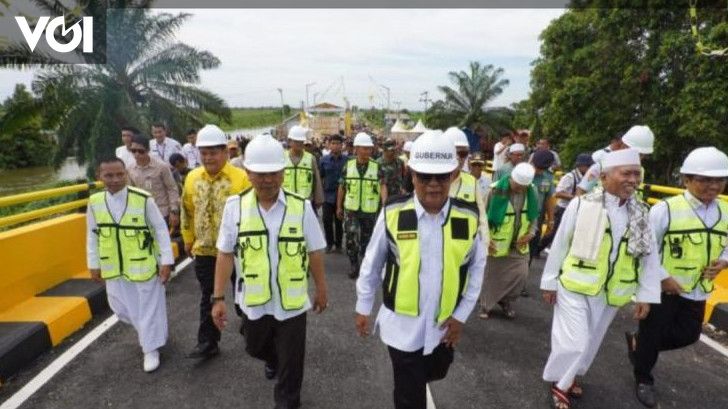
x: 254, y: 261
x: 689, y: 245
x: 126, y: 249
x: 619, y: 279
x: 502, y: 236
x: 299, y: 178
x: 401, y: 284
x: 362, y: 191
x: 466, y: 189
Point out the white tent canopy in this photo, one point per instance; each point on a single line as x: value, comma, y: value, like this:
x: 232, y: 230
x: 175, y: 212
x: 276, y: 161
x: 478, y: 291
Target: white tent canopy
x: 419, y: 127
x: 398, y: 127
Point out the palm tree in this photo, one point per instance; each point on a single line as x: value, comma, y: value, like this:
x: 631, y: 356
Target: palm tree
x: 147, y: 77
x: 465, y: 103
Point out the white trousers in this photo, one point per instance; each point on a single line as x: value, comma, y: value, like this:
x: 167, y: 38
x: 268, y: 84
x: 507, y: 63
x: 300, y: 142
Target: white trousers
x: 143, y: 305
x: 578, y: 329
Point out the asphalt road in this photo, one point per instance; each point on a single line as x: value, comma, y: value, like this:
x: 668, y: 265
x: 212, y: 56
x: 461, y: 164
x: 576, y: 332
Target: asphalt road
x: 497, y: 365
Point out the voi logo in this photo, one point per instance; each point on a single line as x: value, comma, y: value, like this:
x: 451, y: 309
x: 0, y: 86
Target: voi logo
x: 45, y: 23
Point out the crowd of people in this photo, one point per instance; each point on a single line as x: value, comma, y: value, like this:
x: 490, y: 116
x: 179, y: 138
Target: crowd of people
x: 422, y: 221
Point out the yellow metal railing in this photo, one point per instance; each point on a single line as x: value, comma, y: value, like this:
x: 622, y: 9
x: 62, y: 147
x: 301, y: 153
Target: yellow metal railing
x: 41, y: 195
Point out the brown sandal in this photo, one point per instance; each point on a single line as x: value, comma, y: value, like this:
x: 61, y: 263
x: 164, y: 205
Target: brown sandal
x: 576, y: 391
x: 559, y: 398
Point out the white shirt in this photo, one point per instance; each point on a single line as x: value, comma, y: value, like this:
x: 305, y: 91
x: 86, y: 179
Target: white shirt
x: 116, y: 203
x: 123, y: 153
x: 660, y: 221
x: 499, y: 158
x: 192, y: 154
x: 649, y: 279
x: 165, y: 149
x: 567, y: 184
x: 413, y: 333
x: 228, y: 238
x: 484, y: 182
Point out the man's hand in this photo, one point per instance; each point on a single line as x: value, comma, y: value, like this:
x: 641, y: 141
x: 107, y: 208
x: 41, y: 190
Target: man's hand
x: 219, y: 314
x: 164, y: 273
x: 549, y: 296
x: 524, y: 240
x: 671, y: 287
x: 96, y: 275
x: 492, y: 247
x: 641, y: 309
x: 188, y: 249
x: 362, y: 325
x: 320, y: 301
x: 340, y: 213
x: 453, y: 329
x: 715, y: 267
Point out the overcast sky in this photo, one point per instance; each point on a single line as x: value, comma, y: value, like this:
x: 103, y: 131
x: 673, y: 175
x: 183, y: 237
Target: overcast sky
x: 409, y: 51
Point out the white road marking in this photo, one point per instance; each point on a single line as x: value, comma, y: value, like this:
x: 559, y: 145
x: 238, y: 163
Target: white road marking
x: 714, y: 344
x: 59, y: 363
x: 430, y: 402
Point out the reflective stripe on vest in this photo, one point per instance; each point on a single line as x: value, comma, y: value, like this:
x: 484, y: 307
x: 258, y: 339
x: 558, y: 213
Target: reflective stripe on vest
x: 299, y: 178
x: 466, y: 187
x: 362, y: 191
x: 618, y: 279
x: 502, y: 236
x: 401, y: 285
x: 689, y: 245
x: 126, y: 249
x: 255, y: 264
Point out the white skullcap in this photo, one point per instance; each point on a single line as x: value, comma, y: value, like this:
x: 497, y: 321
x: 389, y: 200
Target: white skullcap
x: 597, y: 156
x: 517, y: 147
x: 523, y: 174
x: 622, y: 157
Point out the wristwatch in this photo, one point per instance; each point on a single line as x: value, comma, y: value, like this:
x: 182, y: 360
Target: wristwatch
x: 214, y: 299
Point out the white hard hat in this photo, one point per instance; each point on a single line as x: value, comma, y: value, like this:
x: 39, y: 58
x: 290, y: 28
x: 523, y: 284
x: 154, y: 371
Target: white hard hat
x: 597, y: 156
x: 457, y: 137
x: 433, y: 153
x: 640, y: 138
x: 517, y: 147
x: 523, y: 174
x: 363, y: 139
x: 264, y: 154
x: 706, y: 161
x: 298, y: 133
x: 210, y: 135
x: 407, y: 146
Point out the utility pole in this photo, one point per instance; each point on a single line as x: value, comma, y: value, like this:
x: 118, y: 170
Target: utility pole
x: 315, y: 97
x: 283, y: 116
x: 310, y: 84
x: 425, y: 99
x: 388, y: 96
x: 397, y: 104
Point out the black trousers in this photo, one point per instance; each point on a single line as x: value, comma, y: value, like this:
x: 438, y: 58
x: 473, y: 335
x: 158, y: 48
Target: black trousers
x: 205, y: 272
x: 547, y: 239
x: 332, y: 225
x: 675, y: 323
x: 412, y: 371
x: 281, y: 344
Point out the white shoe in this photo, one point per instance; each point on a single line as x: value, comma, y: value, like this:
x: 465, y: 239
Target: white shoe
x: 151, y: 361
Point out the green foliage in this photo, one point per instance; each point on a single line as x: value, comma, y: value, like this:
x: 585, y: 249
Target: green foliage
x: 602, y: 70
x: 22, y: 144
x: 465, y: 103
x: 242, y: 118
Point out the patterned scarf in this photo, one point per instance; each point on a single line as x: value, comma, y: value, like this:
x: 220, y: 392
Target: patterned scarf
x: 639, y: 231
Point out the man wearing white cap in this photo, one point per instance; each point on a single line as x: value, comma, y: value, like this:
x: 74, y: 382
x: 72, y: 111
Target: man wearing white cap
x: 423, y: 245
x: 516, y: 155
x: 603, y: 254
x: 301, y: 175
x: 277, y: 239
x: 358, y: 200
x: 691, y: 230
x: 512, y: 211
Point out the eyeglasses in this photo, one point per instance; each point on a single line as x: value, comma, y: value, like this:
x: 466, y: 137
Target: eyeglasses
x: 704, y: 180
x: 438, y: 177
x: 133, y: 150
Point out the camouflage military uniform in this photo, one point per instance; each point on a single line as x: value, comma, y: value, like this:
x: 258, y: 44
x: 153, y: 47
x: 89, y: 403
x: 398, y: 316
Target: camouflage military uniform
x: 390, y: 173
x: 358, y: 228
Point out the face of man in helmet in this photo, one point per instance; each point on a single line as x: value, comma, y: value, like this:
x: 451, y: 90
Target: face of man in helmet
x: 363, y: 153
x: 462, y: 154
x: 296, y: 147
x: 213, y: 158
x: 622, y: 181
x: 432, y: 190
x: 705, y: 189
x: 266, y: 185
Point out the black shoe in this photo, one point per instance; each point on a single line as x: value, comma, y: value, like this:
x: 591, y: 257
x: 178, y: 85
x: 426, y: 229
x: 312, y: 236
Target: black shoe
x: 270, y: 371
x: 646, y: 395
x: 204, y: 350
x: 354, y: 273
x: 630, y: 337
